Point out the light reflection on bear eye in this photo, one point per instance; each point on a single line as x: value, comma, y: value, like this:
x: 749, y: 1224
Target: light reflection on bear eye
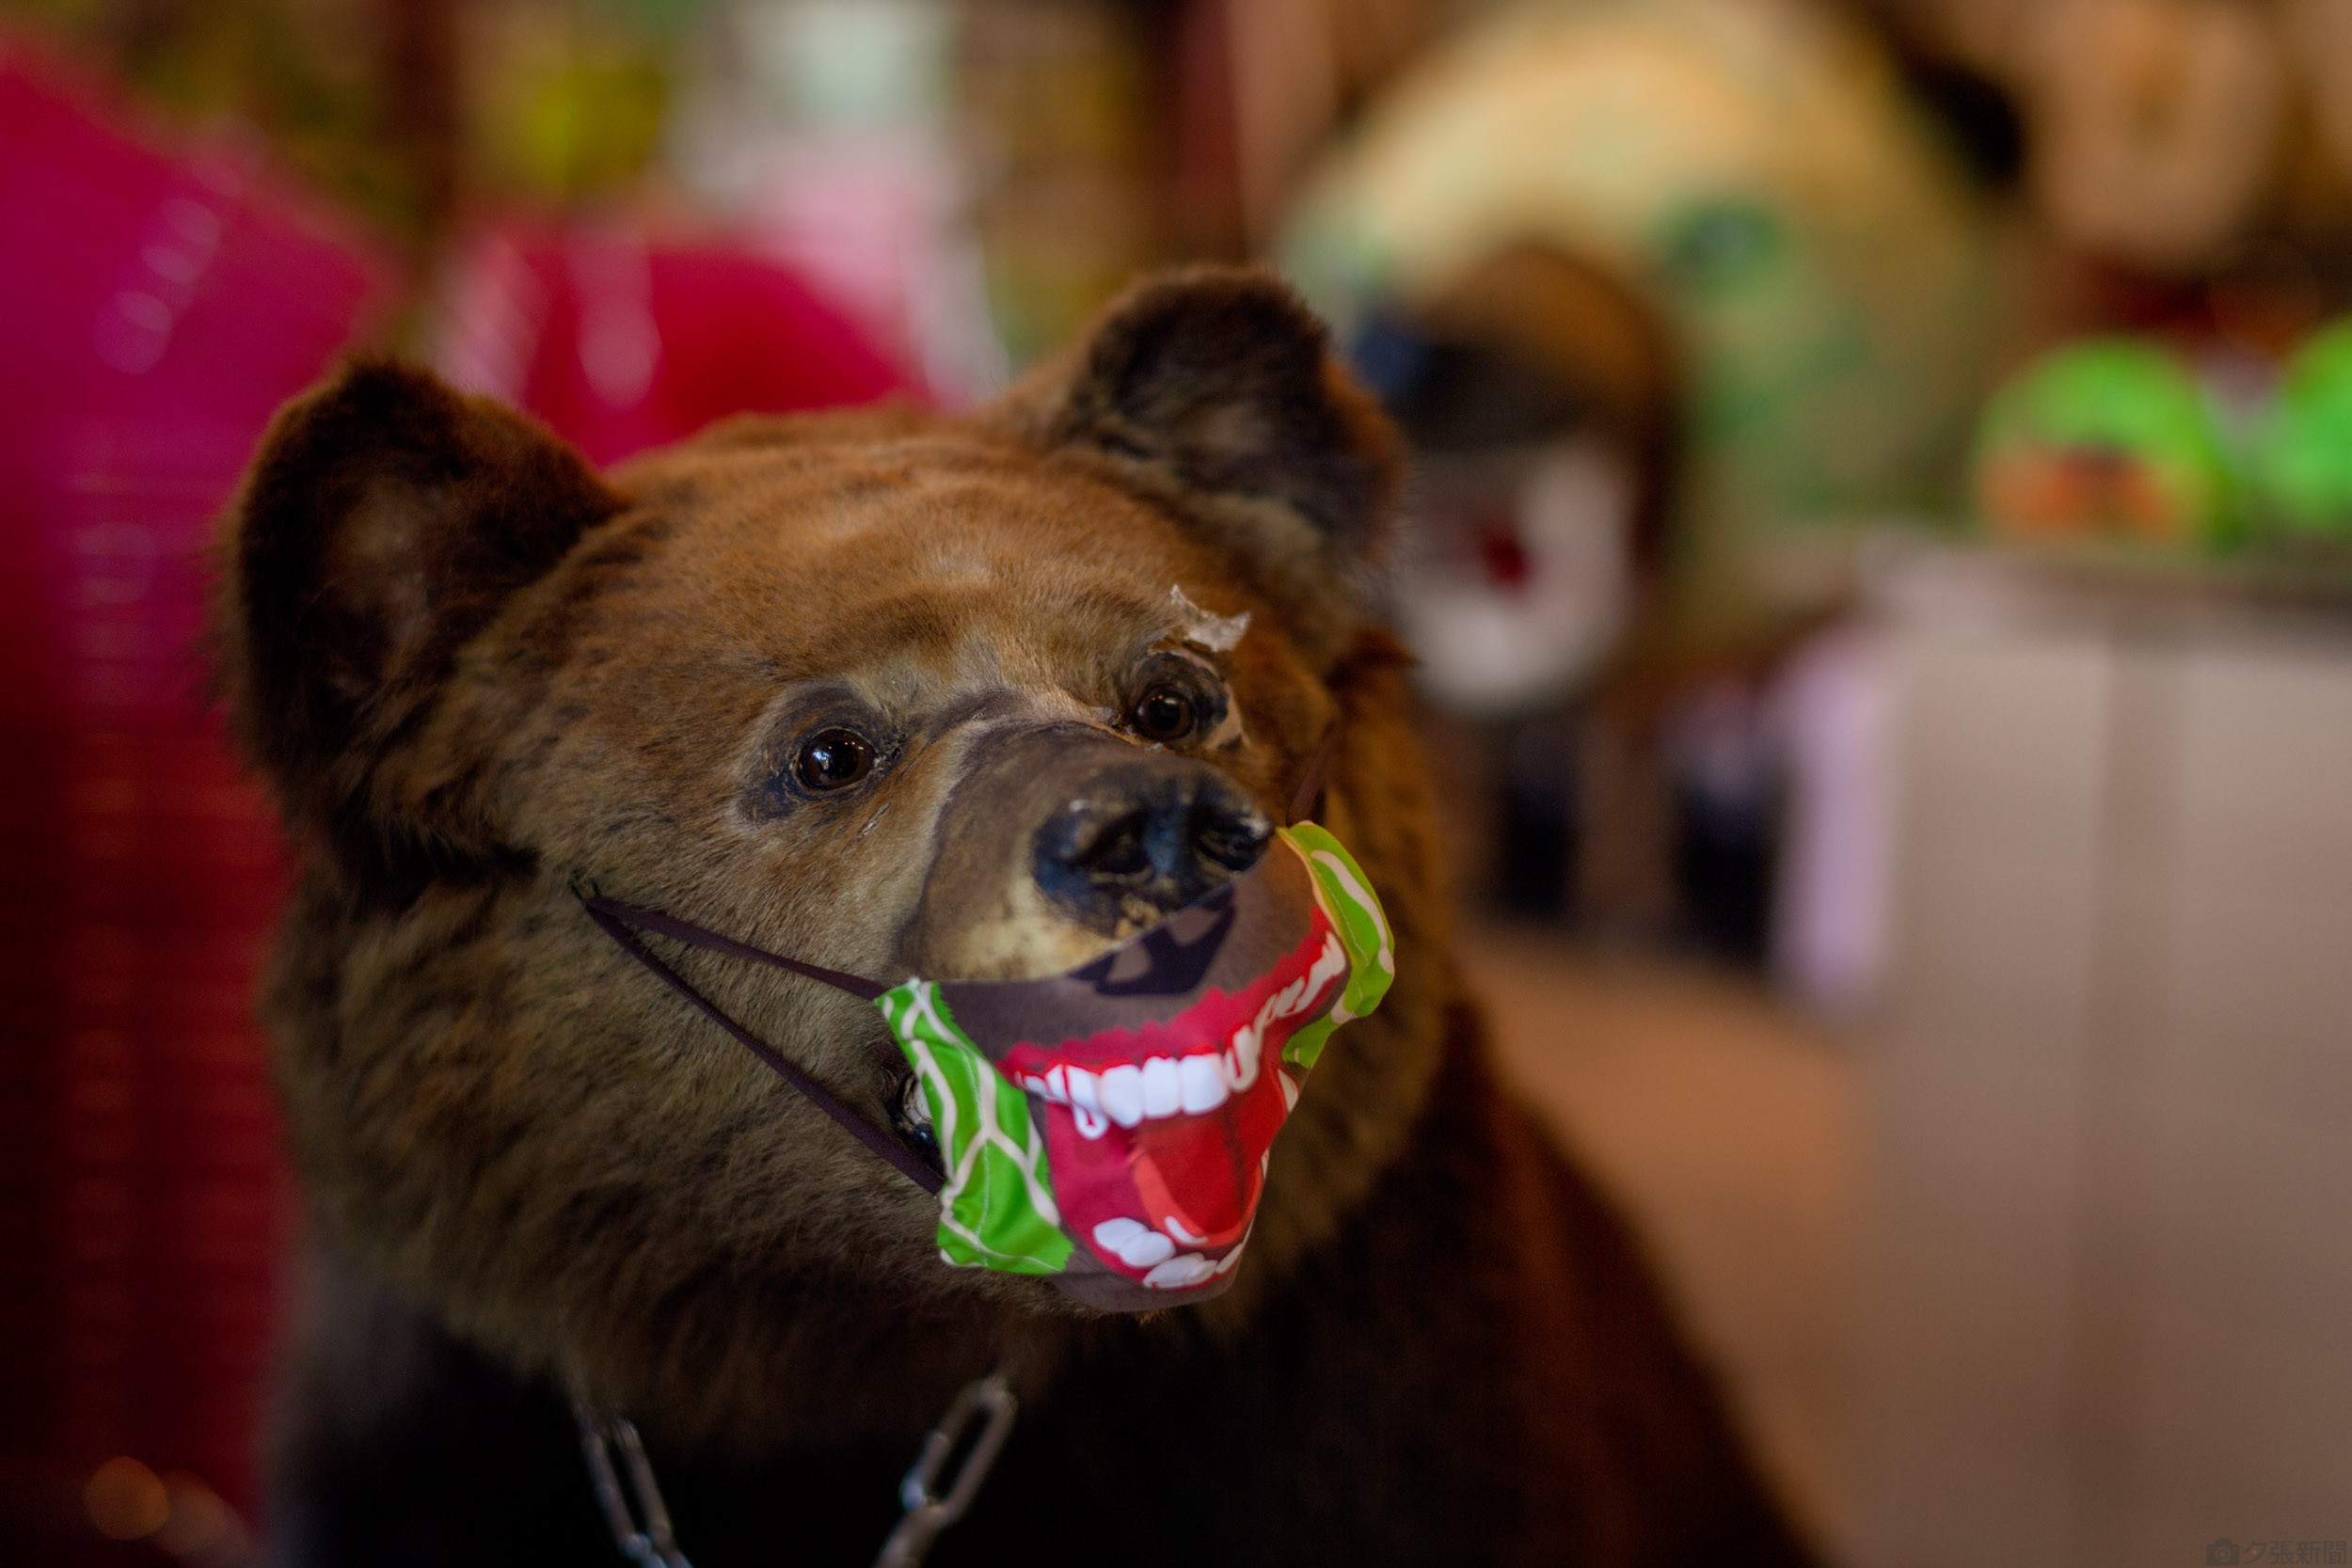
x: 1165, y: 714
x: 832, y: 760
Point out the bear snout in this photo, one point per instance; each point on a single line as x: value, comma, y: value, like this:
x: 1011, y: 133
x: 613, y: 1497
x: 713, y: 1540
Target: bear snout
x: 1061, y: 840
x: 1149, y: 835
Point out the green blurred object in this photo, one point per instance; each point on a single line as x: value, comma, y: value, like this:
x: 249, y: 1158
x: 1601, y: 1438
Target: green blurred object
x: 2112, y: 439
x: 562, y: 103
x: 2303, y: 458
x: 1752, y: 173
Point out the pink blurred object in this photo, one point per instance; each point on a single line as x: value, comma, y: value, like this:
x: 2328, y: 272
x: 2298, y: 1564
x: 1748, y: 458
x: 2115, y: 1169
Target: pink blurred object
x: 620, y: 345
x: 154, y: 309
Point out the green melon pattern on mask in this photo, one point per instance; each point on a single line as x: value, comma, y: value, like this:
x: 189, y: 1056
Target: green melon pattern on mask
x: 1348, y: 900
x: 997, y: 1210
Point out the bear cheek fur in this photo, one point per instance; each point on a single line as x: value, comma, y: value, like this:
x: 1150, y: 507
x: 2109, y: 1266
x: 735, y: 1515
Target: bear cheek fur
x: 500, y: 1115
x: 496, y: 1113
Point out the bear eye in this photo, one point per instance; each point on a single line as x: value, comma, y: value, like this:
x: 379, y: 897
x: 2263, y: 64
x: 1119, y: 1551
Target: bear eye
x: 832, y: 759
x: 1165, y: 714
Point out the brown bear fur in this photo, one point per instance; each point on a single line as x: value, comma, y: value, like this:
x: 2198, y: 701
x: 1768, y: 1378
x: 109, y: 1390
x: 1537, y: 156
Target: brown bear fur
x: 482, y: 679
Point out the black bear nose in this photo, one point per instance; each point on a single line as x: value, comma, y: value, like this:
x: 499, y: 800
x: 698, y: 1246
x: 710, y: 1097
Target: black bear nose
x: 1147, y: 836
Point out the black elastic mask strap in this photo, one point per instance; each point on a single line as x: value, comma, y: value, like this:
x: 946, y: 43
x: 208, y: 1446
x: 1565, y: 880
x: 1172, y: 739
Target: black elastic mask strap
x: 615, y: 919
x: 696, y: 935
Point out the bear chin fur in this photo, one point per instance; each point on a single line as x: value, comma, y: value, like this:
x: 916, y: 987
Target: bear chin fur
x: 478, y: 677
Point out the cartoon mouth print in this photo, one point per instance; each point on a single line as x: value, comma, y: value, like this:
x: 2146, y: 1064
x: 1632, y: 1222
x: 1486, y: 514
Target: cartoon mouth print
x: 1113, y: 1126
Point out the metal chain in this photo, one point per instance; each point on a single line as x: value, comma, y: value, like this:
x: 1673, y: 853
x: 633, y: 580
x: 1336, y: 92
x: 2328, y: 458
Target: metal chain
x: 929, y: 1510
x: 640, y: 1521
x: 650, y: 1544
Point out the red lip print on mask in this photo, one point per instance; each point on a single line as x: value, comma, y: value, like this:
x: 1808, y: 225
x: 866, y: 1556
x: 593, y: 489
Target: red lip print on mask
x: 1159, y: 1135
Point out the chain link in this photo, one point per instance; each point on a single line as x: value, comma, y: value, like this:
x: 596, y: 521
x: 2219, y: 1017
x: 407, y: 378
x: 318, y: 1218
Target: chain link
x: 929, y: 1510
x: 640, y: 1520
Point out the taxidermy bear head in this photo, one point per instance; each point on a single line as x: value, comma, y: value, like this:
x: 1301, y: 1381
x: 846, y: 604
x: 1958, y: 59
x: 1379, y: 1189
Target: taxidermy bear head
x: 893, y: 692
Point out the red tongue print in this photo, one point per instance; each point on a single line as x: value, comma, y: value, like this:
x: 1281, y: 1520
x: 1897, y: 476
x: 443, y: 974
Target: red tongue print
x: 1202, y: 1186
x: 1158, y: 1135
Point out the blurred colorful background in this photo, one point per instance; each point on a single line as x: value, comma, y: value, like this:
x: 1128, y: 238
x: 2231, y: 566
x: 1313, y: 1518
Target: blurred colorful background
x: 1880, y: 558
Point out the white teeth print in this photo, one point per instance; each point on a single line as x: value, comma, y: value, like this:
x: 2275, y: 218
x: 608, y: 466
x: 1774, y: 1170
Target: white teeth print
x: 1139, y: 1247
x: 1287, y: 1000
x: 1085, y: 1109
x: 1242, y: 1056
x: 1162, y: 1091
x: 1331, y: 960
x: 1164, y: 1086
x: 1204, y: 1086
x: 1239, y: 1060
x: 1186, y: 1269
x: 1146, y: 1251
x: 1176, y: 1228
x: 1122, y: 1094
x: 1136, y: 1245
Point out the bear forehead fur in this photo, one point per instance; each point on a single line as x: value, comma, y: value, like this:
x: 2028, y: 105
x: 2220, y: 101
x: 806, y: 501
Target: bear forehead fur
x: 483, y: 680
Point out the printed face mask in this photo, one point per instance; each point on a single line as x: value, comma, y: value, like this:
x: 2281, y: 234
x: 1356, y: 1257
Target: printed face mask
x: 1111, y: 1126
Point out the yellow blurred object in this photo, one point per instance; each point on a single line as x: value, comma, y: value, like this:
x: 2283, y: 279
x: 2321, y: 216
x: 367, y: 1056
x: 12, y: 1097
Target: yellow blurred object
x: 126, y: 1500
x: 559, y: 107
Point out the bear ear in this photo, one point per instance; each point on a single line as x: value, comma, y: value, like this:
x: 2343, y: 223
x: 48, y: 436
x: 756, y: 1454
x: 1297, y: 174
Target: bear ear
x: 1216, y: 389
x: 385, y: 521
